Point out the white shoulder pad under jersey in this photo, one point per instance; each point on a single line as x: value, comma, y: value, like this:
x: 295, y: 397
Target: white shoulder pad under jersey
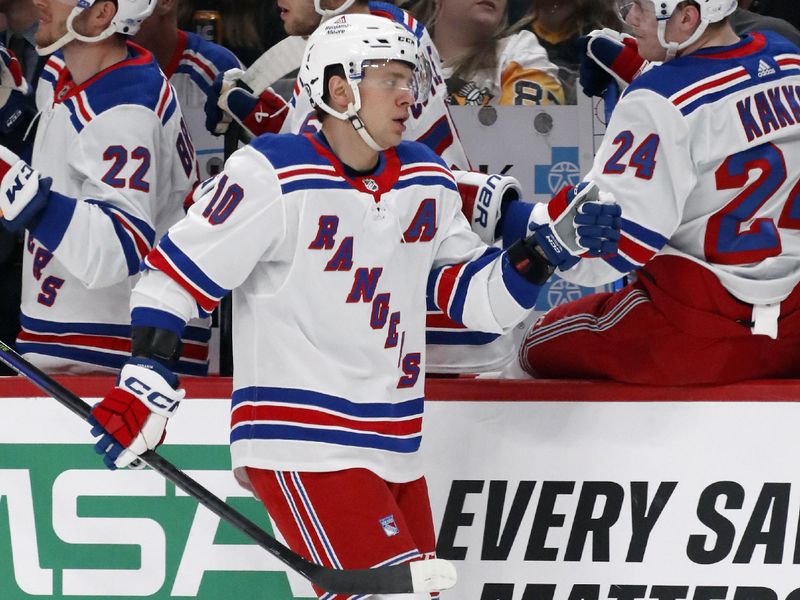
x: 703, y: 155
x: 524, y: 76
x: 430, y: 122
x: 193, y: 68
x: 336, y: 270
x: 121, y: 164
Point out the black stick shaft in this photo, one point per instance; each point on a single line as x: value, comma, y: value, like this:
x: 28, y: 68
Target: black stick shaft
x: 384, y: 580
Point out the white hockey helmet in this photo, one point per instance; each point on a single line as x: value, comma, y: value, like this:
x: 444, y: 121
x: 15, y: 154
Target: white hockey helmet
x: 711, y: 11
x: 129, y: 17
x: 356, y: 42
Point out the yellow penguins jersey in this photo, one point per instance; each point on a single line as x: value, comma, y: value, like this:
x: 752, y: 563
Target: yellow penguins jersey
x: 523, y: 76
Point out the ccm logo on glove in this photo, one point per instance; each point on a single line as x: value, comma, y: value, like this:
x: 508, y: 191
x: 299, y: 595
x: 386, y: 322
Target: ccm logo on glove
x: 140, y: 389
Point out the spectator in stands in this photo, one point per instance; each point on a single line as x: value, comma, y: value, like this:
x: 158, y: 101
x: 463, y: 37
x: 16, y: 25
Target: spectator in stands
x: 249, y: 27
x: 705, y: 169
x: 787, y: 10
x: 745, y: 21
x: 21, y: 20
x: 559, y: 23
x: 484, y: 61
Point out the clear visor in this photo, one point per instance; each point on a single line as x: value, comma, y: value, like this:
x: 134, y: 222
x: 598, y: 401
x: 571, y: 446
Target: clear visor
x: 398, y: 76
x: 639, y: 7
x: 624, y: 8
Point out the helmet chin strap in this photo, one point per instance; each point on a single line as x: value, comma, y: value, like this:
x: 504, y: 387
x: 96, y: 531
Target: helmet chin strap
x: 361, y: 129
x: 74, y: 35
x: 327, y: 14
x: 672, y: 48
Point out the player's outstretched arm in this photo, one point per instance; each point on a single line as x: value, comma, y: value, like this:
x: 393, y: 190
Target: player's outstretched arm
x: 132, y: 418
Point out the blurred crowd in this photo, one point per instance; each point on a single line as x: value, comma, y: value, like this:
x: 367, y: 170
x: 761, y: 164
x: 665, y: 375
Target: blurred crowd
x: 501, y: 52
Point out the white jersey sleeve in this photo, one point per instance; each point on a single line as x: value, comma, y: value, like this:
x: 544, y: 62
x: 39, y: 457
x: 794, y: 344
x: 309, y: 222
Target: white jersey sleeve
x: 203, y: 257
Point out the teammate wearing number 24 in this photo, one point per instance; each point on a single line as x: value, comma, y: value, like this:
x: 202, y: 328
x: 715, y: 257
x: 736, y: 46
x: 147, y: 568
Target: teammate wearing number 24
x: 331, y: 242
x: 111, y: 166
x: 703, y: 154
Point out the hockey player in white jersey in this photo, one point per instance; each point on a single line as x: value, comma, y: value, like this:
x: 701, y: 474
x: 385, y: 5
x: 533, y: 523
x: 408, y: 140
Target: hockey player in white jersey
x: 111, y: 165
x: 430, y: 122
x: 191, y: 63
x: 339, y: 236
x: 703, y: 154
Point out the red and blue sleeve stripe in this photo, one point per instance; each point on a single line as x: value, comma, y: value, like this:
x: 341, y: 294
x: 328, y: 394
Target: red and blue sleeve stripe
x: 134, y: 234
x: 171, y: 260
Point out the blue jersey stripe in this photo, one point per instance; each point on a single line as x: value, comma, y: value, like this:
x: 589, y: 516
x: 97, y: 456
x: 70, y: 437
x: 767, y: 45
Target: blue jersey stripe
x: 326, y: 436
x: 190, y: 270
x: 459, y: 338
x: 42, y: 326
x: 456, y: 312
x: 386, y: 410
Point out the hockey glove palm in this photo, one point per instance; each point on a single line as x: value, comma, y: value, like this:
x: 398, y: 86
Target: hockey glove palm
x: 484, y: 199
x: 132, y: 418
x: 23, y: 193
x: 576, y: 222
x: 606, y: 56
x: 227, y: 100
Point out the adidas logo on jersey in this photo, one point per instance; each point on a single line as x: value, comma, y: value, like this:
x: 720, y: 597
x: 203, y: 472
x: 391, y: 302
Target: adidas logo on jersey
x: 764, y: 69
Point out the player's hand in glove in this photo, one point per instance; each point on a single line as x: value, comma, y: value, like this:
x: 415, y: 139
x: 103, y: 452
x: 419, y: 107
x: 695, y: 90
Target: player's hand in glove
x: 23, y: 192
x: 579, y: 221
x: 132, y: 418
x: 484, y: 200
x: 605, y: 56
x: 257, y: 114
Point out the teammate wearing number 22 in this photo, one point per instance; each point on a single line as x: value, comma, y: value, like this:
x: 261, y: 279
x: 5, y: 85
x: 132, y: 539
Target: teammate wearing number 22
x: 331, y: 242
x: 703, y: 154
x: 111, y: 167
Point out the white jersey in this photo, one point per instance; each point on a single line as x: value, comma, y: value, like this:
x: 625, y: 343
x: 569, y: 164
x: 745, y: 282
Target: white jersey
x: 703, y: 155
x: 121, y: 165
x: 330, y: 273
x: 192, y: 70
x: 523, y: 76
x: 429, y: 123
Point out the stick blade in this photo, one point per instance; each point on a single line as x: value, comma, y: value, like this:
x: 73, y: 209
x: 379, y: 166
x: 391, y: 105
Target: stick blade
x: 433, y: 575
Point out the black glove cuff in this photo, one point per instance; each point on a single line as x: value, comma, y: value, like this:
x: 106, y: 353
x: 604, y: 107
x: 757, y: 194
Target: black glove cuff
x: 156, y: 343
x: 530, y: 261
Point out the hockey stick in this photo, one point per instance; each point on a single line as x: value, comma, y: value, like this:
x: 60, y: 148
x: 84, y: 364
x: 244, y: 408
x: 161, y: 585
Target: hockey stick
x: 281, y: 59
x: 419, y: 576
